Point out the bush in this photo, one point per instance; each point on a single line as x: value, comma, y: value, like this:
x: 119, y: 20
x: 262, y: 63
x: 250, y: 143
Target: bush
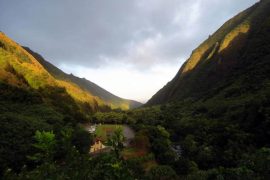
x: 162, y: 173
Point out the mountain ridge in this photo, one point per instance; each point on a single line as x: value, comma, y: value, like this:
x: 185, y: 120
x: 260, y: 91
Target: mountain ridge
x: 108, y: 97
x: 214, y: 61
x: 18, y: 67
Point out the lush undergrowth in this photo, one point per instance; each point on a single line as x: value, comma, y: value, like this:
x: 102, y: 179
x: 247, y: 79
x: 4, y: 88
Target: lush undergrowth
x: 22, y: 112
x: 225, y: 135
x: 20, y: 68
x: 215, y: 126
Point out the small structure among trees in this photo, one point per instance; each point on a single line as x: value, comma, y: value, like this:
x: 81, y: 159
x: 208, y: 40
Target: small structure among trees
x: 97, y: 146
x: 115, y: 142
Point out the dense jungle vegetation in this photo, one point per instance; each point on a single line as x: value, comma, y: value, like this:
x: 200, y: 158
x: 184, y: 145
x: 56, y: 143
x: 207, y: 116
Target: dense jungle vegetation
x: 212, y: 121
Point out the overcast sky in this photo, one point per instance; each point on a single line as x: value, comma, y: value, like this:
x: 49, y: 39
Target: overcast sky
x: 132, y: 48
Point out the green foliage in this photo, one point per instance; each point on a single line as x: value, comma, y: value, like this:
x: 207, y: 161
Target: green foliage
x: 162, y: 173
x: 110, y: 168
x: 82, y: 140
x: 212, y: 66
x: 161, y: 144
x: 258, y: 163
x: 219, y: 131
x: 116, y: 142
x: 15, y: 135
x: 22, y: 112
x: 45, y: 143
x: 109, y: 117
x: 74, y: 165
x: 219, y: 115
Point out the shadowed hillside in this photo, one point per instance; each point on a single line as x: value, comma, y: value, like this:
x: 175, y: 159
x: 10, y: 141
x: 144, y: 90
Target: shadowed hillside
x: 21, y: 69
x: 31, y: 98
x: 237, y: 51
x: 92, y: 88
x: 24, y: 67
x: 212, y: 121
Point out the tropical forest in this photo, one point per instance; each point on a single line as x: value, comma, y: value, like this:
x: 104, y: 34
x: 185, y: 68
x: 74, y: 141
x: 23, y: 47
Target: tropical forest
x: 211, y: 121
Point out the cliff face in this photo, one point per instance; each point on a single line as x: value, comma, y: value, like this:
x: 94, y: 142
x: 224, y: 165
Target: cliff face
x: 240, y: 46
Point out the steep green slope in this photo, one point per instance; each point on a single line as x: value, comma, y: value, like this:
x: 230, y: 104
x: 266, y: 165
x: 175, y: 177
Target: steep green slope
x: 21, y: 69
x: 19, y: 66
x: 92, y: 88
x: 217, y: 108
x: 232, y: 54
x: 30, y: 99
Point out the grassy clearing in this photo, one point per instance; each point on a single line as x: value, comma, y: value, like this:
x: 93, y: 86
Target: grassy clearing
x: 132, y: 152
x: 103, y: 131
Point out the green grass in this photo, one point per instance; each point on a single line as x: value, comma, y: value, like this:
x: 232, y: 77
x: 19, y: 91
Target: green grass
x: 103, y: 131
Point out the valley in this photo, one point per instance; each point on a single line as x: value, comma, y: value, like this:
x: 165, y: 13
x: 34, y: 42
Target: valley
x: 211, y: 121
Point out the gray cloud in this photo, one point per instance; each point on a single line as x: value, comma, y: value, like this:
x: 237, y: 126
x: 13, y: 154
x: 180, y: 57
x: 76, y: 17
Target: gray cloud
x: 96, y: 33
